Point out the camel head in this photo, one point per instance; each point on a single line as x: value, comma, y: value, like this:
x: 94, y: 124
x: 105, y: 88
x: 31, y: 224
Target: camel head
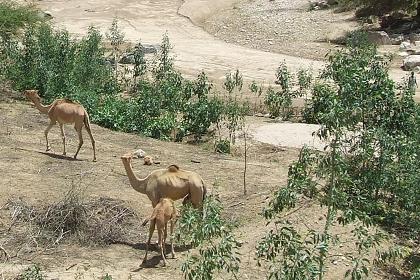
x: 127, y: 157
x: 32, y: 94
x: 148, y: 160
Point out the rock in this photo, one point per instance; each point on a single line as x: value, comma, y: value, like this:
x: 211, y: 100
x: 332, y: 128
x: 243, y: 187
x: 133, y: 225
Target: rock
x: 127, y: 58
x: 334, y: 262
x: 414, y: 37
x: 139, y: 153
x: 397, y: 39
x: 148, y: 48
x: 379, y: 37
x: 319, y: 5
x: 332, y: 2
x: 416, y: 69
x: 404, y: 46
x: 403, y: 54
x: 411, y: 62
x: 45, y: 14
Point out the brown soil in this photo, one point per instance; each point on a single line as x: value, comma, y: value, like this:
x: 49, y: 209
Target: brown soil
x: 40, y: 178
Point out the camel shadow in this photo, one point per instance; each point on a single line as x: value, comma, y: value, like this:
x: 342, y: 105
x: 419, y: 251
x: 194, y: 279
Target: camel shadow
x: 50, y: 154
x: 153, y: 246
x: 152, y: 262
x: 57, y: 156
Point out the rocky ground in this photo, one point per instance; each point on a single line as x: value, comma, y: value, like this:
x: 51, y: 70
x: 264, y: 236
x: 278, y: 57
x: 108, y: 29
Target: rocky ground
x: 282, y: 26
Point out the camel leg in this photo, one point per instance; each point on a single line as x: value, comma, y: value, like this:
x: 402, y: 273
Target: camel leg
x: 151, y: 230
x: 92, y: 140
x: 63, y: 136
x: 172, y: 238
x: 165, y: 235
x: 46, y: 134
x: 79, y: 132
x: 162, y: 245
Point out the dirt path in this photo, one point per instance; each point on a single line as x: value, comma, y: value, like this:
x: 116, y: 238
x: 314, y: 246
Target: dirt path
x: 194, y: 48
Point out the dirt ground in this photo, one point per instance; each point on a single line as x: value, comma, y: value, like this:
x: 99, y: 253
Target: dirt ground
x: 41, y: 178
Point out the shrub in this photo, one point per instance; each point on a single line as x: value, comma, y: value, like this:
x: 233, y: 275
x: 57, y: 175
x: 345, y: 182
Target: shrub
x: 212, y: 235
x: 31, y: 273
x: 367, y: 174
x: 14, y: 17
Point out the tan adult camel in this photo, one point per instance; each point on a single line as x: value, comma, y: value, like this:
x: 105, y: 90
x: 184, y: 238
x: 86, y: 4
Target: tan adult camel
x: 163, y: 213
x: 171, y: 182
x: 63, y: 111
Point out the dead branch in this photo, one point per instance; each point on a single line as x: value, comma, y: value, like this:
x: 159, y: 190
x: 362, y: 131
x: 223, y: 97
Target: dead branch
x: 5, y: 252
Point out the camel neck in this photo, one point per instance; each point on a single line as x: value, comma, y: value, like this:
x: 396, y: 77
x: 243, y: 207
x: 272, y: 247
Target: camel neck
x: 43, y: 109
x: 136, y: 183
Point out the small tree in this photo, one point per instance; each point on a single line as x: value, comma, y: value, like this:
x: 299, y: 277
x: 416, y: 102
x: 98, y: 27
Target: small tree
x: 361, y: 118
x: 216, y: 247
x: 116, y: 38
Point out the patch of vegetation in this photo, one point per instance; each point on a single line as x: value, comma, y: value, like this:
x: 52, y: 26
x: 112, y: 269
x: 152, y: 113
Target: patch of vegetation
x: 15, y: 17
x: 161, y: 103
x: 279, y: 103
x: 216, y: 247
x: 31, y: 273
x: 367, y: 175
x: 107, y: 277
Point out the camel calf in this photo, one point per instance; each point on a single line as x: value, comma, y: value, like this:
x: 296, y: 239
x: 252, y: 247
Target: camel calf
x: 163, y: 213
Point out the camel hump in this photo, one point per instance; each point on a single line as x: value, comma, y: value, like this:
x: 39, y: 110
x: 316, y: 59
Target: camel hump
x: 173, y: 168
x: 67, y: 100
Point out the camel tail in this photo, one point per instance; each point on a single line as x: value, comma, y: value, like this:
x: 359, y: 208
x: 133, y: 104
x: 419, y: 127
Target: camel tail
x: 204, y: 190
x: 86, y: 121
x: 153, y: 217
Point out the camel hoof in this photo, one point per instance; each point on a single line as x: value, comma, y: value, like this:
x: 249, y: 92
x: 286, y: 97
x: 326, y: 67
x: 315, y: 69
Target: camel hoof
x: 74, y: 156
x: 94, y: 160
x: 64, y: 153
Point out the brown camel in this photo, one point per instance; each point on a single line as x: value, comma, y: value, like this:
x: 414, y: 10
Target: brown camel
x: 171, y: 182
x: 163, y: 213
x: 64, y: 111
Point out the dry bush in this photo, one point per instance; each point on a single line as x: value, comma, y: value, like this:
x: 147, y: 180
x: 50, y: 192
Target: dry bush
x: 98, y: 221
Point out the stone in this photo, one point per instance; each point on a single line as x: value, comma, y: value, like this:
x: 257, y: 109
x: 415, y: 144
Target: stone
x: 127, y: 58
x: 403, y: 54
x: 319, y: 5
x: 414, y: 37
x: 45, y: 14
x: 397, y: 39
x: 417, y: 69
x: 404, y: 46
x: 139, y: 153
x: 148, y: 48
x: 411, y: 62
x: 379, y: 37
